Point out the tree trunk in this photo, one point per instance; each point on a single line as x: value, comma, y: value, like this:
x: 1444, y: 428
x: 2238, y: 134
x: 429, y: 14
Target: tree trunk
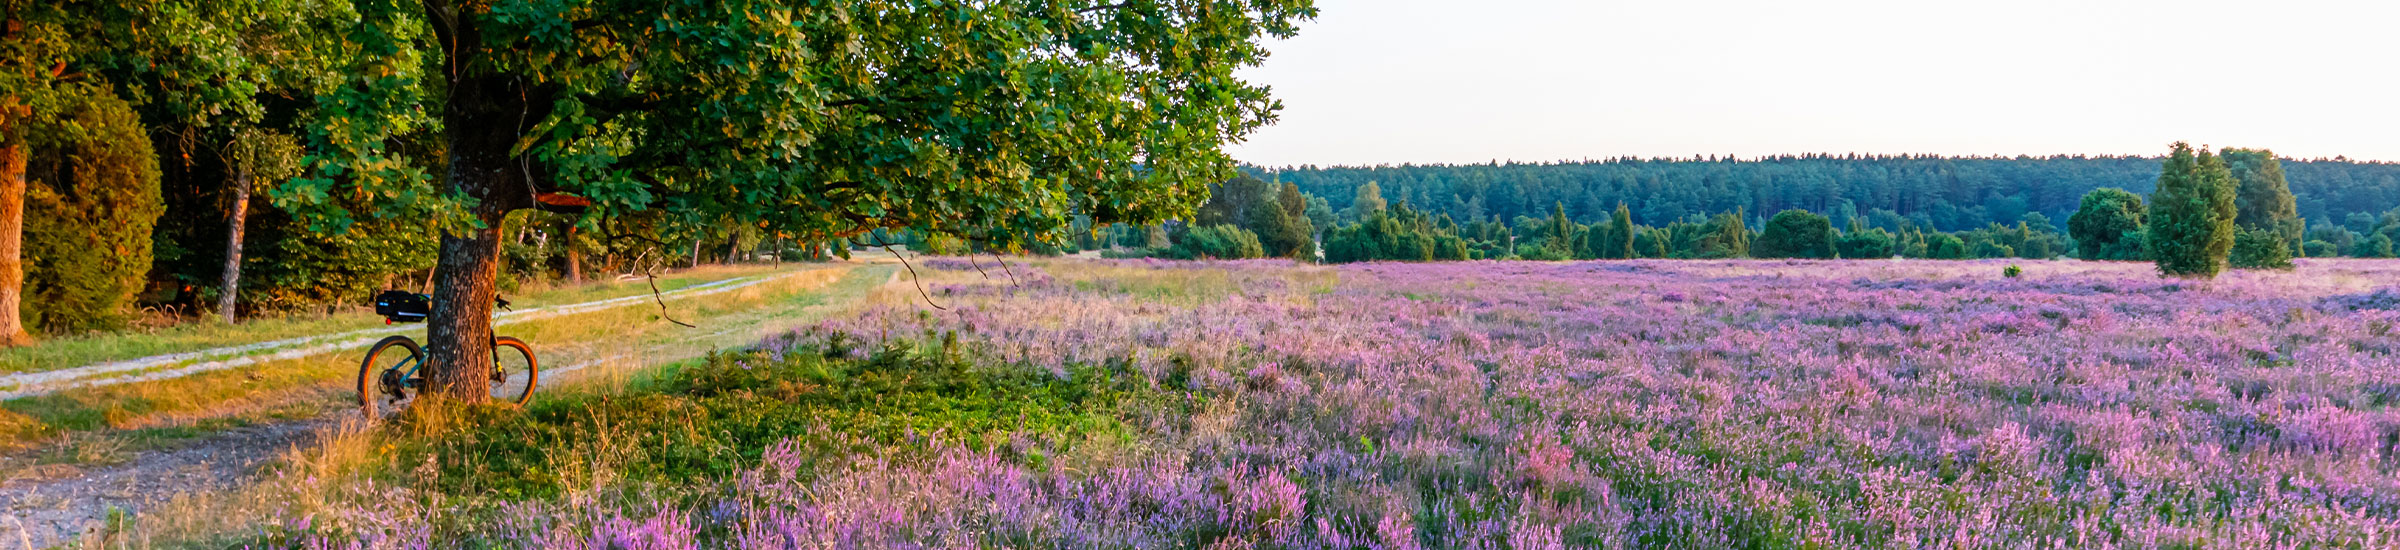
x: 574, y: 259
x: 458, y: 334
x: 12, y: 235
x: 233, y: 245
x: 695, y: 252
x: 482, y: 121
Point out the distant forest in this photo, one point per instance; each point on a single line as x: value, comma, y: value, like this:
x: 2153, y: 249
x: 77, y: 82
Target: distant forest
x: 1944, y: 193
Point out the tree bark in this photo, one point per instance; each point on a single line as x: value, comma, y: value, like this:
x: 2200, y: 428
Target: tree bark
x: 574, y: 258
x: 458, y: 334
x: 12, y: 235
x: 233, y: 245
x: 482, y: 120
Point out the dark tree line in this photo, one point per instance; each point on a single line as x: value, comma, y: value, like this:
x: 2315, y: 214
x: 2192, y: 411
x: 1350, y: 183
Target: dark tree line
x: 1933, y: 193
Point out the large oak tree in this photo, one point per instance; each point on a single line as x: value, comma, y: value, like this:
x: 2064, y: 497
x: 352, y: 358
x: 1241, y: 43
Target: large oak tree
x: 995, y: 120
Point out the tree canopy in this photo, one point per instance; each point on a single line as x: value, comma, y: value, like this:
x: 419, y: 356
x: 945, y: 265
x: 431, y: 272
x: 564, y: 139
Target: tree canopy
x: 1000, y: 122
x: 1795, y: 234
x: 1930, y: 192
x: 2109, y: 225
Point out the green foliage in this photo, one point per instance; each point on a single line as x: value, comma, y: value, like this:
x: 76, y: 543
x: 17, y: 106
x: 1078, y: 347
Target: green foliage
x: 1929, y: 192
x: 2110, y: 226
x: 1867, y: 244
x: 2012, y: 271
x: 1289, y: 233
x: 1220, y: 242
x: 1487, y: 239
x: 1235, y: 201
x: 1795, y: 234
x: 91, y: 200
x: 2262, y: 198
x: 1983, y: 248
x: 2192, y: 214
x: 935, y: 244
x: 303, y: 268
x: 711, y: 420
x: 1320, y: 213
x: 1945, y: 246
x: 2319, y: 249
x: 2260, y: 248
x: 1001, y: 122
x: 1653, y: 243
x: 2378, y: 246
x: 1365, y: 201
x: 1558, y: 236
x: 1731, y: 237
x: 1617, y: 243
x: 1276, y: 214
x: 1398, y: 234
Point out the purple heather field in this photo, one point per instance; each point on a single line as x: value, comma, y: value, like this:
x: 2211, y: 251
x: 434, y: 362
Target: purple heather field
x: 1621, y: 404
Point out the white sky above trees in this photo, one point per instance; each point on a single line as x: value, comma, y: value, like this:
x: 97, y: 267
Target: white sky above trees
x: 1446, y: 81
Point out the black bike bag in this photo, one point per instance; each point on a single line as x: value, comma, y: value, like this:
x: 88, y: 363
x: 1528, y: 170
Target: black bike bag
x: 402, y: 306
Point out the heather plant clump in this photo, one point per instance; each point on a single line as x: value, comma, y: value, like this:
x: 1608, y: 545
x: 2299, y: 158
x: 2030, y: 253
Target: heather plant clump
x: 1629, y: 404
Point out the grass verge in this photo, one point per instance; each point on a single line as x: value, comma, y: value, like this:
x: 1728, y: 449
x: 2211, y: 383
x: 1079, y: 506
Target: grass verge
x: 207, y: 332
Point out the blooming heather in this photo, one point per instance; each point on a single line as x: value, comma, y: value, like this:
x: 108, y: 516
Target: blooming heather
x: 1626, y: 404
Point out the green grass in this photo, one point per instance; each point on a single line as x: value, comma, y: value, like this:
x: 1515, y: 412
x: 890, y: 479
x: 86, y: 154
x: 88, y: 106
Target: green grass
x: 207, y: 332
x: 710, y: 419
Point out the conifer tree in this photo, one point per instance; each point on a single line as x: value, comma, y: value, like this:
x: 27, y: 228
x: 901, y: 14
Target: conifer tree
x: 2192, y: 214
x: 1620, y: 234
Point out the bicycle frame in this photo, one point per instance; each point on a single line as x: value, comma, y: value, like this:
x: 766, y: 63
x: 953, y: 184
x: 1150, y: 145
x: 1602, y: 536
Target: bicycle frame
x: 414, y: 362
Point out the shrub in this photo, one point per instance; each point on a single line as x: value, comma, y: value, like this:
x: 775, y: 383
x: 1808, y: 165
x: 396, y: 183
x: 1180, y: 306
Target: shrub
x: 2012, y: 271
x: 1869, y: 243
x: 1945, y: 247
x: 2320, y: 249
x: 2260, y: 249
x: 1992, y: 249
x: 91, y: 199
x: 1223, y: 242
x: 2378, y: 246
x: 1795, y: 234
x: 2108, y: 226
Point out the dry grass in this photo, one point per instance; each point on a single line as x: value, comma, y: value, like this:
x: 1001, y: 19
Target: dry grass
x: 161, y: 333
x: 612, y: 351
x: 615, y: 343
x: 306, y: 477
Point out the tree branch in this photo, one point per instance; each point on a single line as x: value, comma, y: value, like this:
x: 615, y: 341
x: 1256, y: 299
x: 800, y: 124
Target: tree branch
x: 445, y: 31
x: 912, y: 274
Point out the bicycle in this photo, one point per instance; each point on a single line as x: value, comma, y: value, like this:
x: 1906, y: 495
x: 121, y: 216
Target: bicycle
x: 388, y: 379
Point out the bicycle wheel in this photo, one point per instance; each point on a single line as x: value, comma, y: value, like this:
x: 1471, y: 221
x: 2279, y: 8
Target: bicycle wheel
x: 382, y: 384
x: 514, y: 370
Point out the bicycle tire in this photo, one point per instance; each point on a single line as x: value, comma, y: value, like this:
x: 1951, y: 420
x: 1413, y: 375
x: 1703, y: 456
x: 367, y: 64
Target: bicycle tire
x: 380, y: 358
x: 504, y: 385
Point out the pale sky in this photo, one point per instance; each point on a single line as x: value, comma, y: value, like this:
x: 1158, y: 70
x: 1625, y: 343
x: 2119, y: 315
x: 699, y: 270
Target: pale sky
x: 1451, y: 81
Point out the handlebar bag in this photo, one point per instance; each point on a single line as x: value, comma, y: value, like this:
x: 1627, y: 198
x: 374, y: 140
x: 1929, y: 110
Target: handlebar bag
x: 402, y: 306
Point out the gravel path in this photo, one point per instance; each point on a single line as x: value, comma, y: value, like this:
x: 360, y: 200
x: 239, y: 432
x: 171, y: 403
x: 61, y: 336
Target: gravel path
x: 49, y: 506
x: 185, y: 364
